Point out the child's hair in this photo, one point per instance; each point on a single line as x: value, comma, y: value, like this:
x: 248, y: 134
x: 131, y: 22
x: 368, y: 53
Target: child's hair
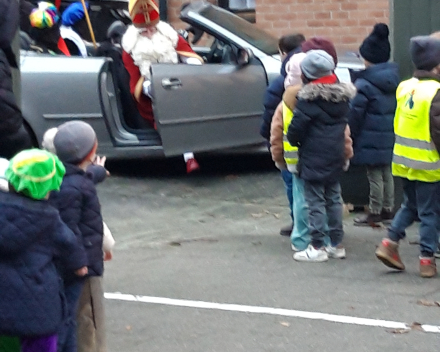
x: 290, y: 42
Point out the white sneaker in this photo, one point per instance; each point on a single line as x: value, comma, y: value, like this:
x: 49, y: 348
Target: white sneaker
x: 311, y: 255
x: 294, y: 249
x: 337, y: 252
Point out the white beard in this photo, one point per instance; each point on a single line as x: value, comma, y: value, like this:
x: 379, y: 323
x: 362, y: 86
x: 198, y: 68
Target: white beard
x: 144, y: 51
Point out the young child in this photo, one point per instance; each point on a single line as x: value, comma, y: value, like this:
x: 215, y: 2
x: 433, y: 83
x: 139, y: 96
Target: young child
x: 31, y: 236
x: 285, y: 155
x: 318, y: 128
x: 371, y: 123
x: 75, y: 144
x: 416, y: 157
x: 288, y: 46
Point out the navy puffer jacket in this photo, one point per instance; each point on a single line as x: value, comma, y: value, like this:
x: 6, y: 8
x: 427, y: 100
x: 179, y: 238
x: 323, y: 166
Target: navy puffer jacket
x: 372, y: 115
x: 273, y: 96
x: 31, y: 236
x: 78, y: 204
x: 320, y: 119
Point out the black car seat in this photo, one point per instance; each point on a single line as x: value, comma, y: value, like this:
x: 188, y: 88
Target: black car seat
x: 25, y: 41
x: 132, y: 119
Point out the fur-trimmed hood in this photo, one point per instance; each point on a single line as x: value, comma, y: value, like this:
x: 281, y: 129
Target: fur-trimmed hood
x: 337, y: 92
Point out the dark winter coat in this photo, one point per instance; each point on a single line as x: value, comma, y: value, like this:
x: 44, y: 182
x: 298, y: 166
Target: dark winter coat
x: 31, y: 235
x: 317, y: 128
x: 78, y: 204
x: 372, y: 115
x: 272, y: 97
x: 13, y: 136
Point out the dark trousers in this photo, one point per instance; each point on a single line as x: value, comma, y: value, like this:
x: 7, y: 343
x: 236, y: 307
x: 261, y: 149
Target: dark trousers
x: 422, y: 199
x: 67, y: 335
x: 325, y: 212
x: 287, y: 178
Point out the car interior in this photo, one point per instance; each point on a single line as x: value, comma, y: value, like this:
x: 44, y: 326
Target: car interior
x: 213, y: 51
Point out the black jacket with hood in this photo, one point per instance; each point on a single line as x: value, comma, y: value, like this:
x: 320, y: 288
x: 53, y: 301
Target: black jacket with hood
x: 320, y: 118
x: 372, y: 114
x: 13, y: 136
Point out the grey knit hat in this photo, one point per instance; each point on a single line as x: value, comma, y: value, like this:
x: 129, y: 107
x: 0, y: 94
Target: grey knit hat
x: 425, y: 52
x: 73, y: 141
x: 317, y: 64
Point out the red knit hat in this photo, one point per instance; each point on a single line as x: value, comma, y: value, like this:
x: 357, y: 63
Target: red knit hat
x: 319, y: 43
x: 143, y: 13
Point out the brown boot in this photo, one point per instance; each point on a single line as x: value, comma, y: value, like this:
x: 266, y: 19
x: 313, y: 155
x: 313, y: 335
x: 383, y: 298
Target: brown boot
x: 427, y: 267
x: 388, y: 253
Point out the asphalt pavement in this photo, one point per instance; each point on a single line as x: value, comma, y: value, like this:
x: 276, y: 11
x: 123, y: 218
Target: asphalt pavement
x: 199, y: 266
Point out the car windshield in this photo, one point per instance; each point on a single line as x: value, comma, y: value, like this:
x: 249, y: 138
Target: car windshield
x: 243, y: 29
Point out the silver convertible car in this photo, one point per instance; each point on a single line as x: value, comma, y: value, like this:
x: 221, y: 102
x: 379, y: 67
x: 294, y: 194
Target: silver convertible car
x: 211, y: 107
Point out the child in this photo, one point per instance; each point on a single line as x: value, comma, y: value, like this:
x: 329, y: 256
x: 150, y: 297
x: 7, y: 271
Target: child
x: 371, y: 123
x: 288, y: 46
x: 318, y: 127
x: 416, y: 157
x: 285, y: 155
x: 31, y: 235
x: 75, y: 144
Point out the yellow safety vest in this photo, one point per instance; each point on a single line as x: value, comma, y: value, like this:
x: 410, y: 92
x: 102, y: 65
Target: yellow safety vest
x: 415, y: 156
x: 290, y: 152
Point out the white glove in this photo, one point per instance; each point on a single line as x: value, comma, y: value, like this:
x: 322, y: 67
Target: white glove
x: 146, y: 88
x: 281, y: 166
x: 191, y: 61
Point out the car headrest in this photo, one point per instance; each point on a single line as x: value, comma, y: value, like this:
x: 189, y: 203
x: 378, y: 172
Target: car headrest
x: 25, y: 41
x: 116, y: 31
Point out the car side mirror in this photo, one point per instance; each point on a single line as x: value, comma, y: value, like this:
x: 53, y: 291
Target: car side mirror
x: 244, y: 56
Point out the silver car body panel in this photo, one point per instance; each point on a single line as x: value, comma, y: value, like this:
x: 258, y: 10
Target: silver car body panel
x: 212, y: 107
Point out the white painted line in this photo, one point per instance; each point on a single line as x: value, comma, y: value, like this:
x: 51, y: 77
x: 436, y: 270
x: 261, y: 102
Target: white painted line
x: 267, y: 310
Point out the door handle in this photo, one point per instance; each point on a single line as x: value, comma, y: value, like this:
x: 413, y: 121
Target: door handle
x: 171, y: 83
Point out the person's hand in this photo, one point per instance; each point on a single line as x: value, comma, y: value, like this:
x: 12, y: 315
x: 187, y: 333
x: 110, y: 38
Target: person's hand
x: 146, y: 88
x: 108, y: 256
x: 100, y: 160
x: 281, y: 166
x: 82, y: 271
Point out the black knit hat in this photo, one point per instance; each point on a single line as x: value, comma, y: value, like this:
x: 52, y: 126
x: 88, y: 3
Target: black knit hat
x: 376, y: 47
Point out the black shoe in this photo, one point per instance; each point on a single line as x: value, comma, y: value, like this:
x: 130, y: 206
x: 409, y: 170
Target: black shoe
x: 387, y: 216
x: 286, y: 230
x: 373, y: 220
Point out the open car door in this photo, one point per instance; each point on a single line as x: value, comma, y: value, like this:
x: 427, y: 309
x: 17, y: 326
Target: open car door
x: 208, y: 107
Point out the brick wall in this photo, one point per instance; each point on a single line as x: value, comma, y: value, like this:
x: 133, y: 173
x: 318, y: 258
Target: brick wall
x: 345, y: 22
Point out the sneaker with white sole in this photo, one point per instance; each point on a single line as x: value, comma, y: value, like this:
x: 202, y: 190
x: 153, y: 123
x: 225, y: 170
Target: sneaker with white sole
x: 294, y: 249
x: 311, y: 254
x: 337, y: 252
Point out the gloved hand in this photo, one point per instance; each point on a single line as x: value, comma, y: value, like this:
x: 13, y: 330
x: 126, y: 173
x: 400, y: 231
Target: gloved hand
x: 146, y: 89
x: 281, y: 166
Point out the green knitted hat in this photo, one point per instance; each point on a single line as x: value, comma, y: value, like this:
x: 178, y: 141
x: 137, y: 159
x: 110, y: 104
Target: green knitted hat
x: 35, y: 173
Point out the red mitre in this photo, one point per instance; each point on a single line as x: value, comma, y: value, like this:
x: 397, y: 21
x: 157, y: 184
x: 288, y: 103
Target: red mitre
x: 143, y: 13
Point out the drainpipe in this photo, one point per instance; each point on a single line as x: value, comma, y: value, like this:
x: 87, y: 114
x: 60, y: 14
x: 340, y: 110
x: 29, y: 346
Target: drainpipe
x: 163, y: 10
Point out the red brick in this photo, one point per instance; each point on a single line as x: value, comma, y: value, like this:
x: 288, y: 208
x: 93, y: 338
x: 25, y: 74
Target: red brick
x: 322, y: 15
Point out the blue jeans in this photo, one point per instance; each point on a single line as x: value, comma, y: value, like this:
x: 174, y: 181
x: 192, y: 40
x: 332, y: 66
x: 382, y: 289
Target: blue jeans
x: 325, y: 212
x: 67, y: 340
x: 420, y: 198
x: 287, y: 178
x: 300, y: 236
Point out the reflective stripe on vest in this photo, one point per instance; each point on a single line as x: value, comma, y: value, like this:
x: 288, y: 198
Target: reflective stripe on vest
x: 415, y: 156
x: 290, y: 152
